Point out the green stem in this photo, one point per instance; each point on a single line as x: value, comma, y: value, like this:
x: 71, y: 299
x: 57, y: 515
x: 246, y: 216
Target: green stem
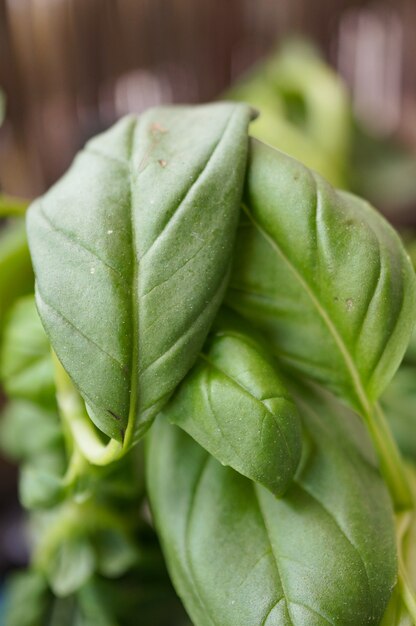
x: 404, y: 520
x: 74, y: 519
x: 86, y: 440
x: 391, y: 462
x: 394, y: 471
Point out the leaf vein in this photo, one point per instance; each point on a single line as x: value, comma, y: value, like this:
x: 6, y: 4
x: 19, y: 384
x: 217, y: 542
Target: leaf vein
x: 80, y: 332
x: 174, y: 216
x: 81, y: 245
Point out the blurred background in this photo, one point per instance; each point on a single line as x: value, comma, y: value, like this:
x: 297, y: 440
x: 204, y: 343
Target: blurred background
x: 70, y: 68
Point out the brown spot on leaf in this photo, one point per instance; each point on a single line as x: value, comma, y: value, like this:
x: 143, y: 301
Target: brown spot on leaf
x: 349, y: 304
x: 117, y: 417
x: 157, y: 128
x: 162, y: 162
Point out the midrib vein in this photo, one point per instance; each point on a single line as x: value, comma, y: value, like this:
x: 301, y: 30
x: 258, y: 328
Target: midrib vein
x: 358, y: 387
x: 263, y: 517
x: 134, y: 295
x: 247, y: 391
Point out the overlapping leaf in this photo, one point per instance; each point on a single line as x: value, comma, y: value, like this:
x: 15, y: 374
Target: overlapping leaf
x: 131, y: 251
x: 235, y: 404
x: 323, y: 554
x: 324, y: 276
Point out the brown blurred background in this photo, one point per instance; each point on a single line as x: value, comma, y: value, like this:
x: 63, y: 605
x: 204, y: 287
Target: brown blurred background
x: 70, y: 67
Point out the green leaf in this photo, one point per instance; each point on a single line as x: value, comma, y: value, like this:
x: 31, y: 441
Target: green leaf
x: 27, y: 600
x: 131, y: 252
x: 399, y: 402
x: 71, y: 567
x: 115, y: 552
x: 40, y: 483
x: 26, y: 430
x: 324, y: 553
x: 324, y: 276
x: 236, y: 406
x: 130, y: 601
x: 16, y: 275
x: 26, y: 367
x: 304, y: 108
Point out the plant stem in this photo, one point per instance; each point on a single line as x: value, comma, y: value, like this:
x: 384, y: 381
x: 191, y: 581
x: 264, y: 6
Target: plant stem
x: 398, y: 481
x: 403, y: 522
x: 391, y: 462
x: 85, y: 440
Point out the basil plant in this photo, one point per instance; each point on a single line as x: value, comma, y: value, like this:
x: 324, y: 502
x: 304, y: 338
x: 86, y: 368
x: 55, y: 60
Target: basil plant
x: 199, y: 389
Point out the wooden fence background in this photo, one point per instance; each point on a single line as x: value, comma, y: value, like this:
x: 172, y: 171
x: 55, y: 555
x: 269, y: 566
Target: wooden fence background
x: 70, y: 67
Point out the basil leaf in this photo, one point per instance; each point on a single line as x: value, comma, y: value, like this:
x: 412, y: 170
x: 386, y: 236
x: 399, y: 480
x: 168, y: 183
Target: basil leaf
x: 399, y: 401
x: 40, y: 483
x: 304, y: 108
x: 20, y: 418
x: 115, y: 552
x: 326, y: 278
x: 27, y: 599
x: 71, y: 567
x: 16, y: 275
x: 131, y: 251
x: 324, y: 553
x: 236, y: 406
x: 26, y: 367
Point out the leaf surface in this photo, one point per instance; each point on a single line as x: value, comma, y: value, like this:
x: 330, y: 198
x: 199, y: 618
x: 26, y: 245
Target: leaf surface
x: 324, y: 276
x: 399, y: 402
x: 131, y: 251
x: 322, y: 554
x: 27, y: 430
x: 235, y: 404
x: 26, y: 368
x: 16, y: 275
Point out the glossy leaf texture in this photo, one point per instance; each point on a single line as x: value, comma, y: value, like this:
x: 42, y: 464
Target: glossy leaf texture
x: 131, y: 251
x: 235, y: 404
x: 324, y: 276
x: 26, y: 368
x: 322, y: 554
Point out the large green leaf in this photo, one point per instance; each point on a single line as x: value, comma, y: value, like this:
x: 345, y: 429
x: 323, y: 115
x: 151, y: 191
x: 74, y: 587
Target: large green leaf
x: 324, y: 276
x: 235, y: 405
x: 131, y: 252
x: 26, y: 368
x: 322, y: 554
